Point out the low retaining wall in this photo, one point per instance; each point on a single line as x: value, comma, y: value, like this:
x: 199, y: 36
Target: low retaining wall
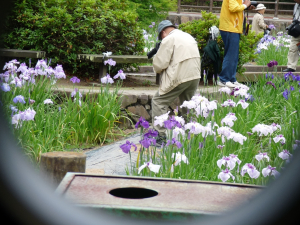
x: 184, y: 17
x: 132, y: 107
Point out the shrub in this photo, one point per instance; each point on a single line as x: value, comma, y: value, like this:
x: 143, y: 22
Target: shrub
x: 66, y: 28
x: 154, y: 10
x: 199, y: 29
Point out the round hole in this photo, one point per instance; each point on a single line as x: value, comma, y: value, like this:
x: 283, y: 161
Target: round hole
x: 133, y: 193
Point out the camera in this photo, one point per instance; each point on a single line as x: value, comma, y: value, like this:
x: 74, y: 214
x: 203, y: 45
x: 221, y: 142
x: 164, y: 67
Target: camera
x: 254, y: 3
x: 153, y: 51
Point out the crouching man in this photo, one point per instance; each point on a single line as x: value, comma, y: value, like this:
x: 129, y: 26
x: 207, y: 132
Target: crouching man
x: 178, y: 63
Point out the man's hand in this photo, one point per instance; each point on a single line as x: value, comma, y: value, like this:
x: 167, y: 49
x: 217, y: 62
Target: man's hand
x: 253, y: 7
x: 247, y: 3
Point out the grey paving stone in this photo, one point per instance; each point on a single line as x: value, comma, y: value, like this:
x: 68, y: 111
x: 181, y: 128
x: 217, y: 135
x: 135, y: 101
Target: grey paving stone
x: 111, y: 158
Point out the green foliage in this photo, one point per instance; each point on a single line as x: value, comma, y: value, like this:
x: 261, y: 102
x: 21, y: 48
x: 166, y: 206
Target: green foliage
x: 277, y: 49
x: 66, y: 28
x: 68, y: 122
x: 153, y: 10
x: 199, y: 29
x: 247, y: 49
x: 268, y: 106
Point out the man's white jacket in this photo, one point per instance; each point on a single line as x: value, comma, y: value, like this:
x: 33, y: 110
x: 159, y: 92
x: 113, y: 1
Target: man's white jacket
x: 177, y: 60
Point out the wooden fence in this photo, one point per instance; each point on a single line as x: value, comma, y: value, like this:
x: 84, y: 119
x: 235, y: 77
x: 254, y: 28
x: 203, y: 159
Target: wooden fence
x: 201, y: 4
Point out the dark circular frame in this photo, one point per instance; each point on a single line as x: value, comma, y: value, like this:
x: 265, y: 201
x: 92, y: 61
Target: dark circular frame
x: 26, y: 198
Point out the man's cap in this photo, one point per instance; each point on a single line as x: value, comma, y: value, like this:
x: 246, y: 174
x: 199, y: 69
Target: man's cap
x: 162, y: 25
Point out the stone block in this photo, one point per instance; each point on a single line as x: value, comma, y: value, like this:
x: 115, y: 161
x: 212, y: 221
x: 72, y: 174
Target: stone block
x: 138, y: 111
x: 128, y: 100
x: 185, y: 19
x: 150, y: 97
x: 143, y: 99
x: 124, y: 121
x: 147, y: 107
x: 146, y: 69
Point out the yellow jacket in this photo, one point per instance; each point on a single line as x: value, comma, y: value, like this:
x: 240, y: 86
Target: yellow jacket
x: 231, y: 17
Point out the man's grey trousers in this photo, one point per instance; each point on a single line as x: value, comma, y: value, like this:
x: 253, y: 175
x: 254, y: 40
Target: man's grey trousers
x: 161, y: 103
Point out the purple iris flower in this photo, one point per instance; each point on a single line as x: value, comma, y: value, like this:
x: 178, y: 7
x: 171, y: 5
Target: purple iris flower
x: 14, y: 109
x: 150, y: 26
x: 220, y: 146
x: 271, y: 26
x: 75, y: 80
x: 250, y: 98
x: 286, y: 94
x: 297, y: 77
x: 269, y: 75
x: 146, y: 142
x: 110, y: 62
x: 143, y: 123
x: 20, y: 99
x: 201, y: 145
x: 31, y: 101
x: 292, y: 88
x: 28, y: 114
x: 271, y: 83
x: 169, y: 124
x: 127, y: 146
x: 286, y: 76
x: 174, y: 141
x: 151, y: 133
x: 272, y: 63
x: 5, y: 87
x: 189, y: 136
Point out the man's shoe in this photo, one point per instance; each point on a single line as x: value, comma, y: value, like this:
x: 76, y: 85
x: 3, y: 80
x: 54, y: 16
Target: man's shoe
x: 226, y: 84
x: 288, y: 70
x: 220, y: 83
x: 237, y: 83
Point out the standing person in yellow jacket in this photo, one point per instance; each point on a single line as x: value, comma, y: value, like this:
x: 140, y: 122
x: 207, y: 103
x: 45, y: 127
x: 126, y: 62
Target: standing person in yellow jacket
x: 231, y: 27
x: 178, y: 63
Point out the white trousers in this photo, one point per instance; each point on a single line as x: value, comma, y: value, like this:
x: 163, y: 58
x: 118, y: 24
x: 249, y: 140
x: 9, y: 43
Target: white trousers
x: 293, y: 55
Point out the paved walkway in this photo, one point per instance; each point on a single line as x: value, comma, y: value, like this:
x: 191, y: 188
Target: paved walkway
x: 110, y: 160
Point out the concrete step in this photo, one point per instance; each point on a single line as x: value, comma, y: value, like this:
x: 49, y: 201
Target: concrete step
x: 148, y: 70
x: 258, y: 68
x: 253, y: 76
x: 252, y: 73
